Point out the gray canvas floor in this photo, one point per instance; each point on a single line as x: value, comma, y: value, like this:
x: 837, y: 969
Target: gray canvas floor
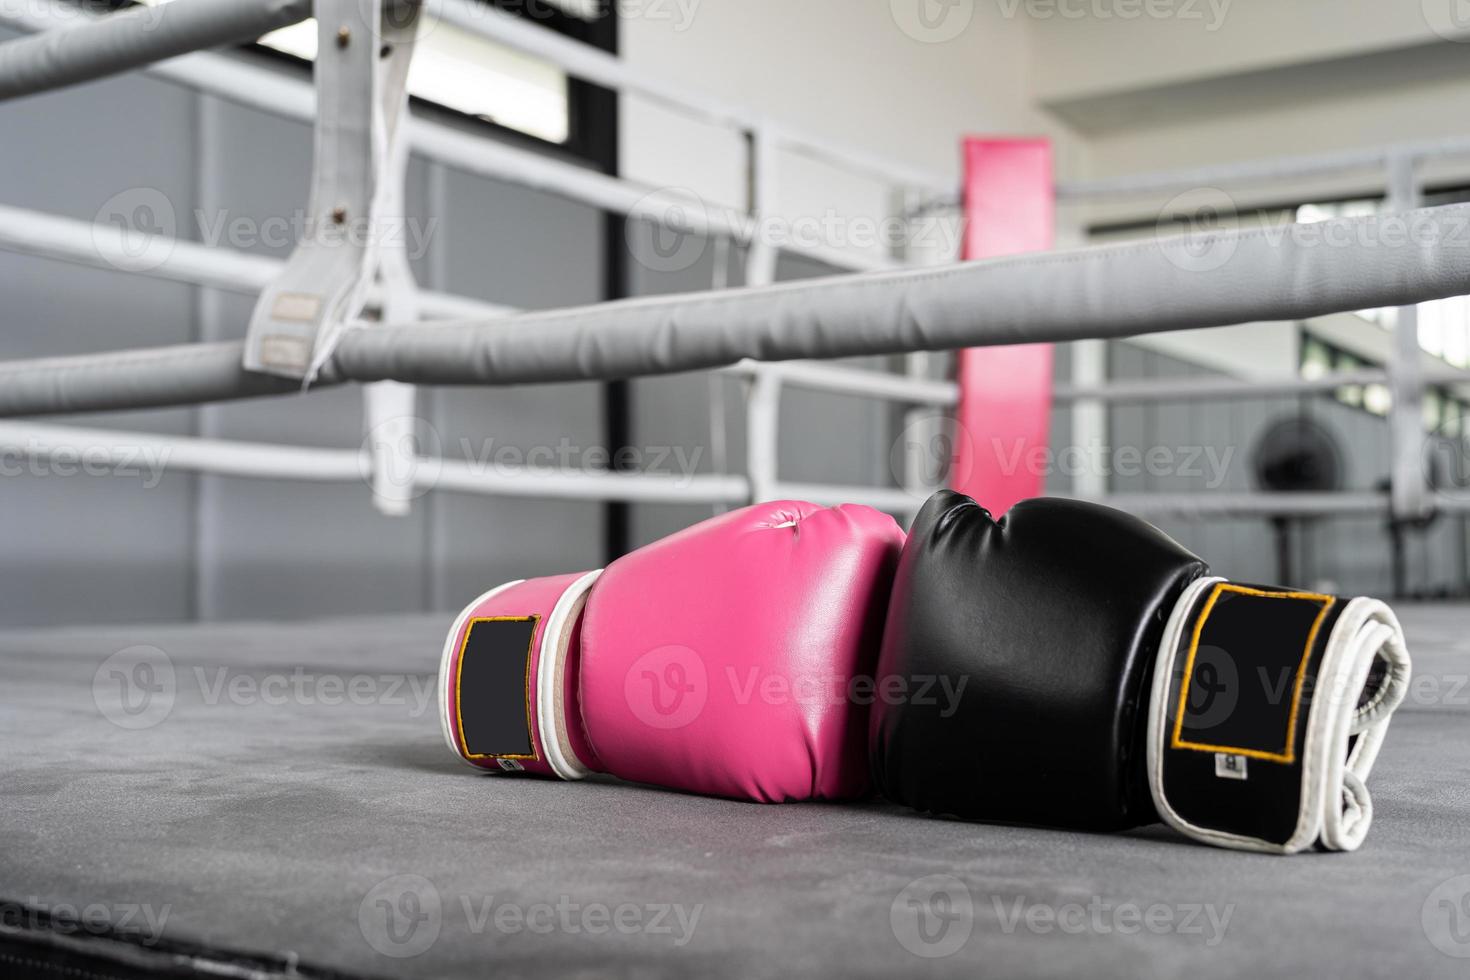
x: 314, y: 817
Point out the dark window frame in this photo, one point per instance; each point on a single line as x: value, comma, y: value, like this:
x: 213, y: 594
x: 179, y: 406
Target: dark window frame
x: 1343, y: 360
x: 591, y: 110
x: 1451, y: 193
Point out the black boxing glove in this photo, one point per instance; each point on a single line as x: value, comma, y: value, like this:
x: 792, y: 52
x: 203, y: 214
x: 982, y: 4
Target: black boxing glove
x: 1100, y: 679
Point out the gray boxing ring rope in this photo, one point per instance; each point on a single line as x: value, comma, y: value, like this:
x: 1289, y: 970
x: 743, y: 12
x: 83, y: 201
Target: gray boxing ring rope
x: 131, y: 38
x: 1099, y: 292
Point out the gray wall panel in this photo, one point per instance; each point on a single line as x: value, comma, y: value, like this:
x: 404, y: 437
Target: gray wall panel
x: 86, y: 548
x: 1059, y: 479
x: 674, y: 412
x: 105, y: 549
x: 272, y: 548
x: 509, y: 245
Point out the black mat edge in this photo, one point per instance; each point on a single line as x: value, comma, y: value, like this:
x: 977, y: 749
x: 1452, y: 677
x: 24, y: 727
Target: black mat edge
x: 47, y: 948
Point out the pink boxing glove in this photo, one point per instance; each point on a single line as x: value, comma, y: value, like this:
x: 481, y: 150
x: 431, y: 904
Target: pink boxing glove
x: 726, y: 659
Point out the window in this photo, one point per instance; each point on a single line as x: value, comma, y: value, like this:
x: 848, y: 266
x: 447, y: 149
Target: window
x: 1444, y: 325
x: 1443, y: 407
x: 1316, y: 359
x: 476, y: 77
x: 470, y: 75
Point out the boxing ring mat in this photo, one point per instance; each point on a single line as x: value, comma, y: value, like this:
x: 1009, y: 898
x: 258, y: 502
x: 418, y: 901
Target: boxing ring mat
x: 279, y: 820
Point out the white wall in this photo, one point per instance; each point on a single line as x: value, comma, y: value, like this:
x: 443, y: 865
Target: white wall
x: 1252, y: 79
x: 844, y: 70
x: 1085, y: 47
x: 1202, y: 82
x: 1409, y: 111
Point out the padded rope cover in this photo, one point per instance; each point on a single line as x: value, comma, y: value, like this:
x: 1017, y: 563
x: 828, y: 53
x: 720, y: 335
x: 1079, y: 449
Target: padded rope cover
x: 1268, y: 713
x: 116, y: 42
x: 1110, y: 291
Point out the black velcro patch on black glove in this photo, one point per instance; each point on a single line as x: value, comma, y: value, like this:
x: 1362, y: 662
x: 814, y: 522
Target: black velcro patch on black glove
x: 1239, y: 704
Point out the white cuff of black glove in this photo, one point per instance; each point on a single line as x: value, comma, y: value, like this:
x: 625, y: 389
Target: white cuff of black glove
x: 1328, y: 754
